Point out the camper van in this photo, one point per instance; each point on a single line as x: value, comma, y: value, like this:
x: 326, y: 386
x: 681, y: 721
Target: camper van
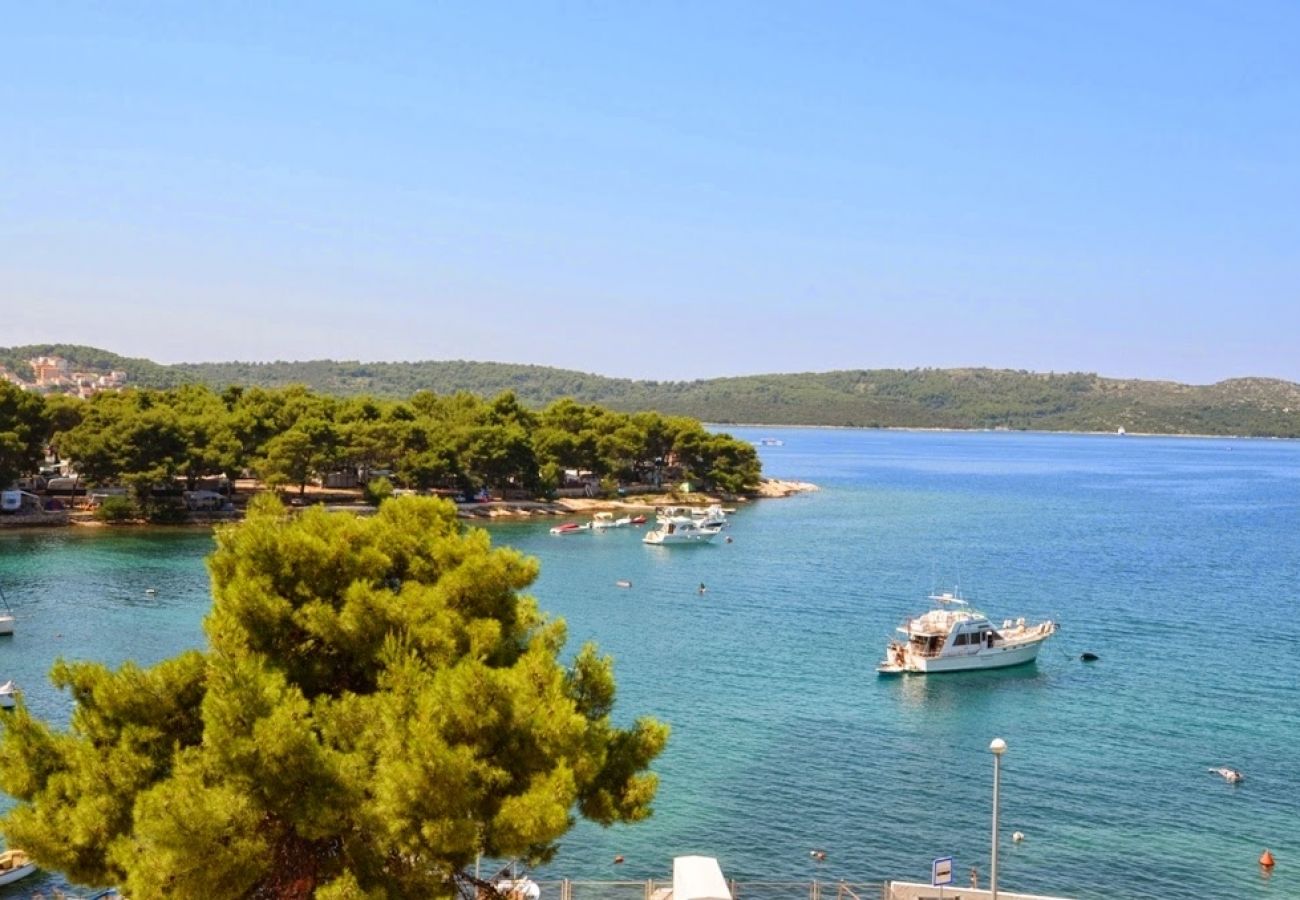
x: 65, y: 484
x: 205, y: 500
x: 16, y: 501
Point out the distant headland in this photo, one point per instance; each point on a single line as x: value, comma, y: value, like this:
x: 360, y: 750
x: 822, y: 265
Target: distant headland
x: 867, y: 398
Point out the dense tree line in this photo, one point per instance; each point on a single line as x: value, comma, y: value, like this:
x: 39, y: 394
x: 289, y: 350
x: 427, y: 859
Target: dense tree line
x: 292, y: 436
x: 24, y: 428
x: 870, y: 398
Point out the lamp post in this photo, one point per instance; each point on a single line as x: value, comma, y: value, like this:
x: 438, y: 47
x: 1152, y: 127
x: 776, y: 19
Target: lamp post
x: 997, y: 748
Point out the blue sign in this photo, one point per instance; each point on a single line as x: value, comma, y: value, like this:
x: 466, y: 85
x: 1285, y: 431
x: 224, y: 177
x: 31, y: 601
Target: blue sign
x: 941, y: 871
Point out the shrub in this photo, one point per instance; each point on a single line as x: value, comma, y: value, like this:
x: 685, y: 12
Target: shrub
x: 378, y: 490
x: 115, y: 509
x: 167, y: 514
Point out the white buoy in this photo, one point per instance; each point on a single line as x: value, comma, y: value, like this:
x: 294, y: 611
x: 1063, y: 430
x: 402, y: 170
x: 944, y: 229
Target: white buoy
x: 150, y: 591
x: 1018, y: 836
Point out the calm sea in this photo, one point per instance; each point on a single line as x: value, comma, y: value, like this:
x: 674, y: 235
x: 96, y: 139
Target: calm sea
x: 1177, y: 561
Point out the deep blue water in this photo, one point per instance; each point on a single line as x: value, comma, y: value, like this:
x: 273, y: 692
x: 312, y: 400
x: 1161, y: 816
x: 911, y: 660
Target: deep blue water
x: 1176, y: 560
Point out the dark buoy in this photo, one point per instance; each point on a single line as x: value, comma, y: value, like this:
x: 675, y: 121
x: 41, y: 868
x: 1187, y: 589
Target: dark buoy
x: 702, y: 587
x: 1089, y: 657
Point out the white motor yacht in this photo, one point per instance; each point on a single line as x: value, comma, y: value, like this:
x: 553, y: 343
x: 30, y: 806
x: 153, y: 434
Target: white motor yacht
x: 680, y: 530
x: 956, y: 637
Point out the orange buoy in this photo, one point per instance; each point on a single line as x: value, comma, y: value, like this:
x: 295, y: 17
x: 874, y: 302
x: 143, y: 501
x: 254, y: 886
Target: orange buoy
x: 1266, y: 859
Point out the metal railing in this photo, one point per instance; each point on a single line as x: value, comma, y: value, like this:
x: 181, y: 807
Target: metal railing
x: 657, y: 889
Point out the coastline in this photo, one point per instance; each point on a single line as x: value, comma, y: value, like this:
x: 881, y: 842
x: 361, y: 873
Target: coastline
x: 769, y: 488
x: 935, y: 429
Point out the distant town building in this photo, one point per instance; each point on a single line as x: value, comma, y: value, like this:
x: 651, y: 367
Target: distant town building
x: 53, y: 374
x: 49, y: 371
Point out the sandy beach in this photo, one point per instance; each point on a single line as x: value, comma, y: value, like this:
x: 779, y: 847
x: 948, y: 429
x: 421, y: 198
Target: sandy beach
x: 643, y: 503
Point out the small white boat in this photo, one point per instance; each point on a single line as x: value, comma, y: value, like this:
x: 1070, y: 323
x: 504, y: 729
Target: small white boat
x: 518, y: 888
x: 680, y: 530
x: 956, y: 637
x: 8, y: 692
x: 15, y: 864
x: 1228, y: 774
x: 603, y: 520
x: 711, y: 516
x: 6, y: 617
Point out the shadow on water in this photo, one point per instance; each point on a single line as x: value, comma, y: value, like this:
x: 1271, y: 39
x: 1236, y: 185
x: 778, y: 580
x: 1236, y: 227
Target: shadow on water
x: 953, y: 690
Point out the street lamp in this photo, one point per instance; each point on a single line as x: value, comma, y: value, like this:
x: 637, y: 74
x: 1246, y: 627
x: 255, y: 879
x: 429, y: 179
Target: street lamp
x: 997, y: 748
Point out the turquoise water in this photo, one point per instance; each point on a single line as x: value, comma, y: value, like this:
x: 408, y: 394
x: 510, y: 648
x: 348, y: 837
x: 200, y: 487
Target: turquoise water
x: 1175, y: 560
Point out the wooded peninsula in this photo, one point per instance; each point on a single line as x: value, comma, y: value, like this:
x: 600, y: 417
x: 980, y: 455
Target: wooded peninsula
x: 147, y: 439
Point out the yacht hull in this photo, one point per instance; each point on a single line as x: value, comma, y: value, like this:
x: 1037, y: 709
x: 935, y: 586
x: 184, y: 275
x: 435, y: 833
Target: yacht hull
x: 697, y: 537
x: 987, y: 658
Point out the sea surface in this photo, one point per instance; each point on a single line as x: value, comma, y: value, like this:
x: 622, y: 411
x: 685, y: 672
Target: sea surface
x: 1176, y: 561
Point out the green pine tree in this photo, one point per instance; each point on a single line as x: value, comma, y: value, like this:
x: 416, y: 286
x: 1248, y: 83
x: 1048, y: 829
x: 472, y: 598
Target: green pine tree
x: 378, y: 705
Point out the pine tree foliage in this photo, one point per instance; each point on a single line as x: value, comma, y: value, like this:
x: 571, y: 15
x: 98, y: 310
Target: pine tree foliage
x: 378, y: 705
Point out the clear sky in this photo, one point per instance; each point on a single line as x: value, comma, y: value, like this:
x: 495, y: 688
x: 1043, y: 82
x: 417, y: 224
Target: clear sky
x: 659, y: 190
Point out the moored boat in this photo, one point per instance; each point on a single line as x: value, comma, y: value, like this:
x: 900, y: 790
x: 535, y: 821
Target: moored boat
x: 8, y: 693
x: 956, y: 637
x: 570, y: 528
x: 603, y: 520
x: 679, y: 530
x: 15, y: 864
x: 6, y: 617
x: 711, y: 516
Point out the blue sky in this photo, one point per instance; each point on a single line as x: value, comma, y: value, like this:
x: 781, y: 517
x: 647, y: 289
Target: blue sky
x: 658, y: 190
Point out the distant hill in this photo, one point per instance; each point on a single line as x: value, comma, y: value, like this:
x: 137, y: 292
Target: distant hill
x: 916, y: 398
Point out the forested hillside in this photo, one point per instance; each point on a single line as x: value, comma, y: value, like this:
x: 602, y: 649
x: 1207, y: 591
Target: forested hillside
x: 916, y: 398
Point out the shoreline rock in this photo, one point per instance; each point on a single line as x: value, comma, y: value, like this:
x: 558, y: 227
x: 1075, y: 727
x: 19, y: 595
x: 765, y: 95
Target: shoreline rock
x: 773, y: 487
